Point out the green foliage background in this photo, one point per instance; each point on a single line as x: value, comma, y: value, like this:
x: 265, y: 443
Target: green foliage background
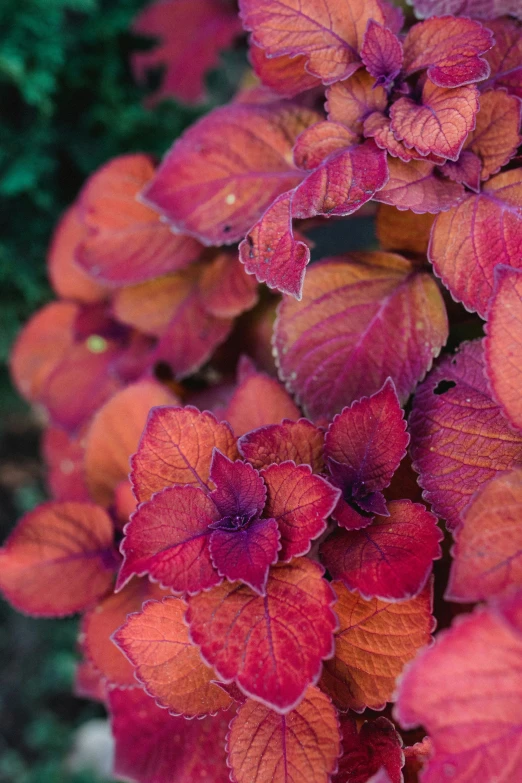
x: 68, y: 103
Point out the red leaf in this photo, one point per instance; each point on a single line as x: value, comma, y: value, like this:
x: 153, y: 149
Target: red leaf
x: 285, y: 75
x: 503, y: 344
x: 505, y: 58
x: 469, y: 241
x: 475, y: 731
x: 258, y: 401
x: 157, y: 643
x: 450, y: 49
x: 226, y: 290
x: 496, y: 138
x: 339, y: 186
x: 440, y: 123
x: 126, y: 241
x: 347, y: 335
x: 300, y: 441
x: 99, y: 624
x: 300, y: 503
x: 176, y: 448
x: 189, y: 31
x: 40, y: 347
x: 381, y: 53
x: 488, y: 551
x: 391, y: 559
x: 246, y: 555
x: 168, y: 538
x: 270, y: 251
x: 58, y: 560
x: 284, y: 634
x: 223, y: 173
x: 460, y: 439
x: 302, y: 745
x: 370, y: 438
x: 155, y: 747
x: 416, y: 186
x: 328, y: 35
x: 377, y: 745
x: 114, y: 434
x: 352, y: 101
x: 64, y: 456
x: 374, y: 642
x: 67, y: 278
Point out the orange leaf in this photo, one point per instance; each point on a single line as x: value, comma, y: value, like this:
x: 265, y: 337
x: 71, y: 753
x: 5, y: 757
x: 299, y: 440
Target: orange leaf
x: 503, y: 344
x: 127, y: 242
x: 114, y: 434
x: 168, y: 665
x: 374, y: 642
x: 470, y: 240
x: 449, y: 48
x: 103, y: 620
x: 403, y: 231
x: 176, y: 448
x: 352, y: 101
x: 150, y: 306
x: 285, y: 75
x: 303, y: 745
x: 496, y: 138
x: 328, y: 34
x: 64, y: 456
x: 67, y: 278
x: 440, y: 124
x: 59, y: 559
x: 300, y: 441
x: 259, y: 400
x: 226, y: 289
x: 415, y: 186
x: 40, y: 347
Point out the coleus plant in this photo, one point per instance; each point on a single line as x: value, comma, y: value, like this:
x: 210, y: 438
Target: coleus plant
x: 250, y: 537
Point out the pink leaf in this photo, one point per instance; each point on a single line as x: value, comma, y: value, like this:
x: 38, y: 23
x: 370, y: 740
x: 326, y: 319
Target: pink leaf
x: 220, y: 177
x: 465, y: 690
x: 347, y: 335
x: 459, y: 437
